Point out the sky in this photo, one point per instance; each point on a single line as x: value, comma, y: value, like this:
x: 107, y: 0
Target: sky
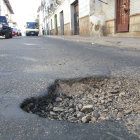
x: 25, y: 10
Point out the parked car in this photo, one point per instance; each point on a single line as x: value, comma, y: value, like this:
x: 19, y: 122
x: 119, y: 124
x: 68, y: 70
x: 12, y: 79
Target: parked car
x: 5, y: 30
x: 15, y: 32
x: 19, y: 32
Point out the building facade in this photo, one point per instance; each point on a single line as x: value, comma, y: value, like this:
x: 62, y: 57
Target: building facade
x: 6, y: 10
x: 93, y: 17
x: 39, y: 20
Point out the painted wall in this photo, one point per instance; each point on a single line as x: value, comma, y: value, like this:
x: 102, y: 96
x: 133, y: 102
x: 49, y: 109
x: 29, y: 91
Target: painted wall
x: 99, y: 17
x: 103, y: 17
x: 134, y: 7
x: 66, y: 8
x: 135, y: 17
x: 84, y: 8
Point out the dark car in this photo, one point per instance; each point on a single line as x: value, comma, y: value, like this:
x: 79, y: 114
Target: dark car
x: 5, y: 30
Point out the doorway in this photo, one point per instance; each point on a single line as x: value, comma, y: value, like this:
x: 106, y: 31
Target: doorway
x: 55, y: 22
x: 76, y: 18
x: 123, y: 12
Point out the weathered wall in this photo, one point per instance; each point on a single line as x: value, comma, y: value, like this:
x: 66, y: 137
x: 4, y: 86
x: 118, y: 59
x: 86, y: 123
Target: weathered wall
x: 59, y: 30
x: 96, y: 18
x: 103, y: 18
x: 83, y: 8
x: 84, y: 26
x: 52, y: 32
x: 134, y: 7
x: 135, y: 18
x: 109, y: 28
x: 66, y: 8
x: 135, y: 25
x: 67, y: 30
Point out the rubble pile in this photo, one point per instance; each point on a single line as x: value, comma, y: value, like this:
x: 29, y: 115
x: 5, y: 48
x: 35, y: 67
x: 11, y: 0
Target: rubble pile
x: 88, y: 100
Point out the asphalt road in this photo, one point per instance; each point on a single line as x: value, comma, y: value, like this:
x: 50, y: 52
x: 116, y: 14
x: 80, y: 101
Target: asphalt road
x: 28, y: 65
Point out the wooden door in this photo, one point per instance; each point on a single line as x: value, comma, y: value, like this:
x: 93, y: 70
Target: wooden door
x: 123, y: 12
x: 76, y: 19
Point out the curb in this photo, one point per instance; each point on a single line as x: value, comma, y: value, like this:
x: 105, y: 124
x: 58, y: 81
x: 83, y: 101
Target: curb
x: 110, y: 43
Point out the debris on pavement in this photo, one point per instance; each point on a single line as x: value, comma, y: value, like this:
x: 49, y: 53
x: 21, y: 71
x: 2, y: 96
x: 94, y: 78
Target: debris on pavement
x: 88, y: 100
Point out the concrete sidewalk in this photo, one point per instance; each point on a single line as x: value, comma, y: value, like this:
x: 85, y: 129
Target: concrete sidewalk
x: 131, y: 43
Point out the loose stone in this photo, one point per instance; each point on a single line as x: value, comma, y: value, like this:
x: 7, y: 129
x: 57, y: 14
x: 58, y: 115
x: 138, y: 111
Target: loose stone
x: 71, y: 105
x: 86, y: 119
x: 95, y: 114
x: 84, y: 102
x: 102, y: 101
x: 71, y: 110
x: 72, y: 118
x: 87, y: 108
x: 127, y: 112
x: 109, y: 100
x: 52, y: 113
x: 80, y: 114
x: 102, y: 118
x: 58, y: 109
x: 122, y: 94
x: 58, y: 99
x: 80, y: 106
x: 115, y: 92
x: 119, y: 115
x: 105, y: 110
x: 93, y: 119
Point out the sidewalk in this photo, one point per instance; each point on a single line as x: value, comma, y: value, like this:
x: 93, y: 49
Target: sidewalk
x: 131, y: 43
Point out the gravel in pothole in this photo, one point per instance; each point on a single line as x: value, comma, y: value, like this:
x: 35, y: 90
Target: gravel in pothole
x: 88, y: 100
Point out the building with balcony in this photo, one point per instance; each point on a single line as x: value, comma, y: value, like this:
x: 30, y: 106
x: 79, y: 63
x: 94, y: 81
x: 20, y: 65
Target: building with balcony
x: 92, y: 17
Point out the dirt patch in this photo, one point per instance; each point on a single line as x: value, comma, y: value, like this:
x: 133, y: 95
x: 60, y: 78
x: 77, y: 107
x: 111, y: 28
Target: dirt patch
x: 87, y: 100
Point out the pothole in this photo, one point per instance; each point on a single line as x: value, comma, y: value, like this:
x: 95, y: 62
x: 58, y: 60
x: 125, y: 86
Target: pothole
x: 87, y: 100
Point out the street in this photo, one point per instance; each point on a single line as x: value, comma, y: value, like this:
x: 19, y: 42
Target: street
x: 28, y: 65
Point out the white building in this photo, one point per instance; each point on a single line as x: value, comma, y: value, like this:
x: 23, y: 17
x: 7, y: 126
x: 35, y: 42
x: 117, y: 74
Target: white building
x: 40, y: 20
x: 43, y: 17
x: 6, y: 10
x: 92, y: 17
